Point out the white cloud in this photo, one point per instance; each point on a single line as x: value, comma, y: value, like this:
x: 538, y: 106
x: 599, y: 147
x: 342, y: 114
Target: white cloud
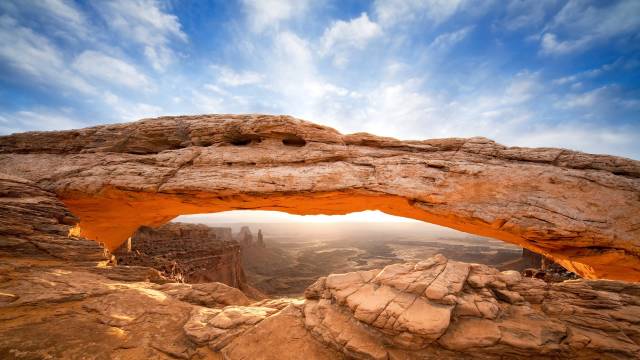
x: 37, y: 119
x: 126, y: 110
x: 551, y: 45
x: 295, y: 79
x: 212, y: 99
x: 59, y: 17
x: 263, y: 14
x: 405, y: 108
x: 397, y: 109
x: 35, y: 56
x: 586, y: 137
x: 227, y: 76
x: 584, y: 100
x: 526, y: 13
x: 581, y: 24
x: 110, y: 69
x: 391, y: 12
x: 216, y: 89
x: 593, y: 73
x: 342, y: 36
x: 144, y: 22
x: 595, y: 100
x: 524, y: 86
x: 446, y: 41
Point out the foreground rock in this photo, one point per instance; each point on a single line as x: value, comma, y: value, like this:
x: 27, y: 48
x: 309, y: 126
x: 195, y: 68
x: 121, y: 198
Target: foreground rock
x: 578, y: 209
x: 449, y: 310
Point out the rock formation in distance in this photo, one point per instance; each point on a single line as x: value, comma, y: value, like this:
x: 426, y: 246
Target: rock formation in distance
x: 581, y: 210
x: 192, y: 253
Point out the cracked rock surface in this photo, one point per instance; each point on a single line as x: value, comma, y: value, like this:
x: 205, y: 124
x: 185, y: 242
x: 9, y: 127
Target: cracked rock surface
x: 579, y: 209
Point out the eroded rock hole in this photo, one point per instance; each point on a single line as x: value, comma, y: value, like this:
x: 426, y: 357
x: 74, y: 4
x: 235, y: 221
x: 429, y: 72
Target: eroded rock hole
x: 237, y: 138
x: 243, y: 140
x: 293, y: 140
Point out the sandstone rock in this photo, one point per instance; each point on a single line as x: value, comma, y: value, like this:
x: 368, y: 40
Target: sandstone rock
x: 279, y: 337
x: 192, y: 253
x: 234, y: 316
x: 511, y: 297
x: 34, y: 224
x: 487, y: 314
x: 245, y: 237
x: 279, y: 303
x: 469, y: 333
x: 217, y: 328
x: 424, y: 318
x: 206, y: 294
x: 335, y: 328
x: 449, y: 281
x: 580, y: 211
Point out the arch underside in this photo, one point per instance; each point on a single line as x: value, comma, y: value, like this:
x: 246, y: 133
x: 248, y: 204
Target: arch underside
x: 581, y: 210
x: 114, y: 215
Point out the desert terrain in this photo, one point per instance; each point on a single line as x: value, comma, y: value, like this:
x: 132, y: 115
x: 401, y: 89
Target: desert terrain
x: 298, y: 253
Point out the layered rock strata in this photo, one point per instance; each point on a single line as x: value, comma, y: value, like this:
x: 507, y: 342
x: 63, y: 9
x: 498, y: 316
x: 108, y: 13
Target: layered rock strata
x: 580, y: 210
x: 35, y: 225
x: 191, y: 253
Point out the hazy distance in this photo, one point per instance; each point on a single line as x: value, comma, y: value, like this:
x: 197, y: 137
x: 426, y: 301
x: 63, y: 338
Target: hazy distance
x: 370, y: 224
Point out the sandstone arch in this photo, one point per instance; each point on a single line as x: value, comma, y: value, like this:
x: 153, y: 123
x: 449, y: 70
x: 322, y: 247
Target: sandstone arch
x: 580, y: 209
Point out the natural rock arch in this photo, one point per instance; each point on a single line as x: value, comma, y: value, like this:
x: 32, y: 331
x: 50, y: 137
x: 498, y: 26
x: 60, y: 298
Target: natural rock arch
x: 582, y: 210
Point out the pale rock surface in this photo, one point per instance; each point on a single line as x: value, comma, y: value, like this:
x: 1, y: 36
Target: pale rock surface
x: 206, y: 294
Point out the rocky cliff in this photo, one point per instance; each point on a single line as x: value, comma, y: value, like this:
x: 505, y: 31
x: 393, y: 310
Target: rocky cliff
x: 191, y: 253
x: 580, y: 210
x: 60, y: 299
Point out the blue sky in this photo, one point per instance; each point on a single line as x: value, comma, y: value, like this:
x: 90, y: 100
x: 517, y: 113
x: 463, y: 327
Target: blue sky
x: 524, y: 73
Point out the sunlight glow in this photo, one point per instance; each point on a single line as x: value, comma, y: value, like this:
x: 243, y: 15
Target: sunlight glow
x: 261, y: 216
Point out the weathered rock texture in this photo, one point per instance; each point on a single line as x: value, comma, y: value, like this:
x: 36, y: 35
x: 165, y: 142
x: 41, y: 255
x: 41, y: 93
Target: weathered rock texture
x: 192, y: 253
x: 444, y: 309
x: 579, y: 209
x: 60, y: 299
x: 35, y: 225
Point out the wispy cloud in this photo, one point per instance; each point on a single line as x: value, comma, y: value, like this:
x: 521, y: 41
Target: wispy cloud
x: 36, y: 57
x: 393, y: 12
x: 344, y: 36
x: 37, y: 119
x: 581, y: 24
x: 145, y: 22
x: 264, y: 14
x: 227, y: 76
x: 59, y: 17
x: 445, y: 41
x: 522, y: 14
x: 106, y: 68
